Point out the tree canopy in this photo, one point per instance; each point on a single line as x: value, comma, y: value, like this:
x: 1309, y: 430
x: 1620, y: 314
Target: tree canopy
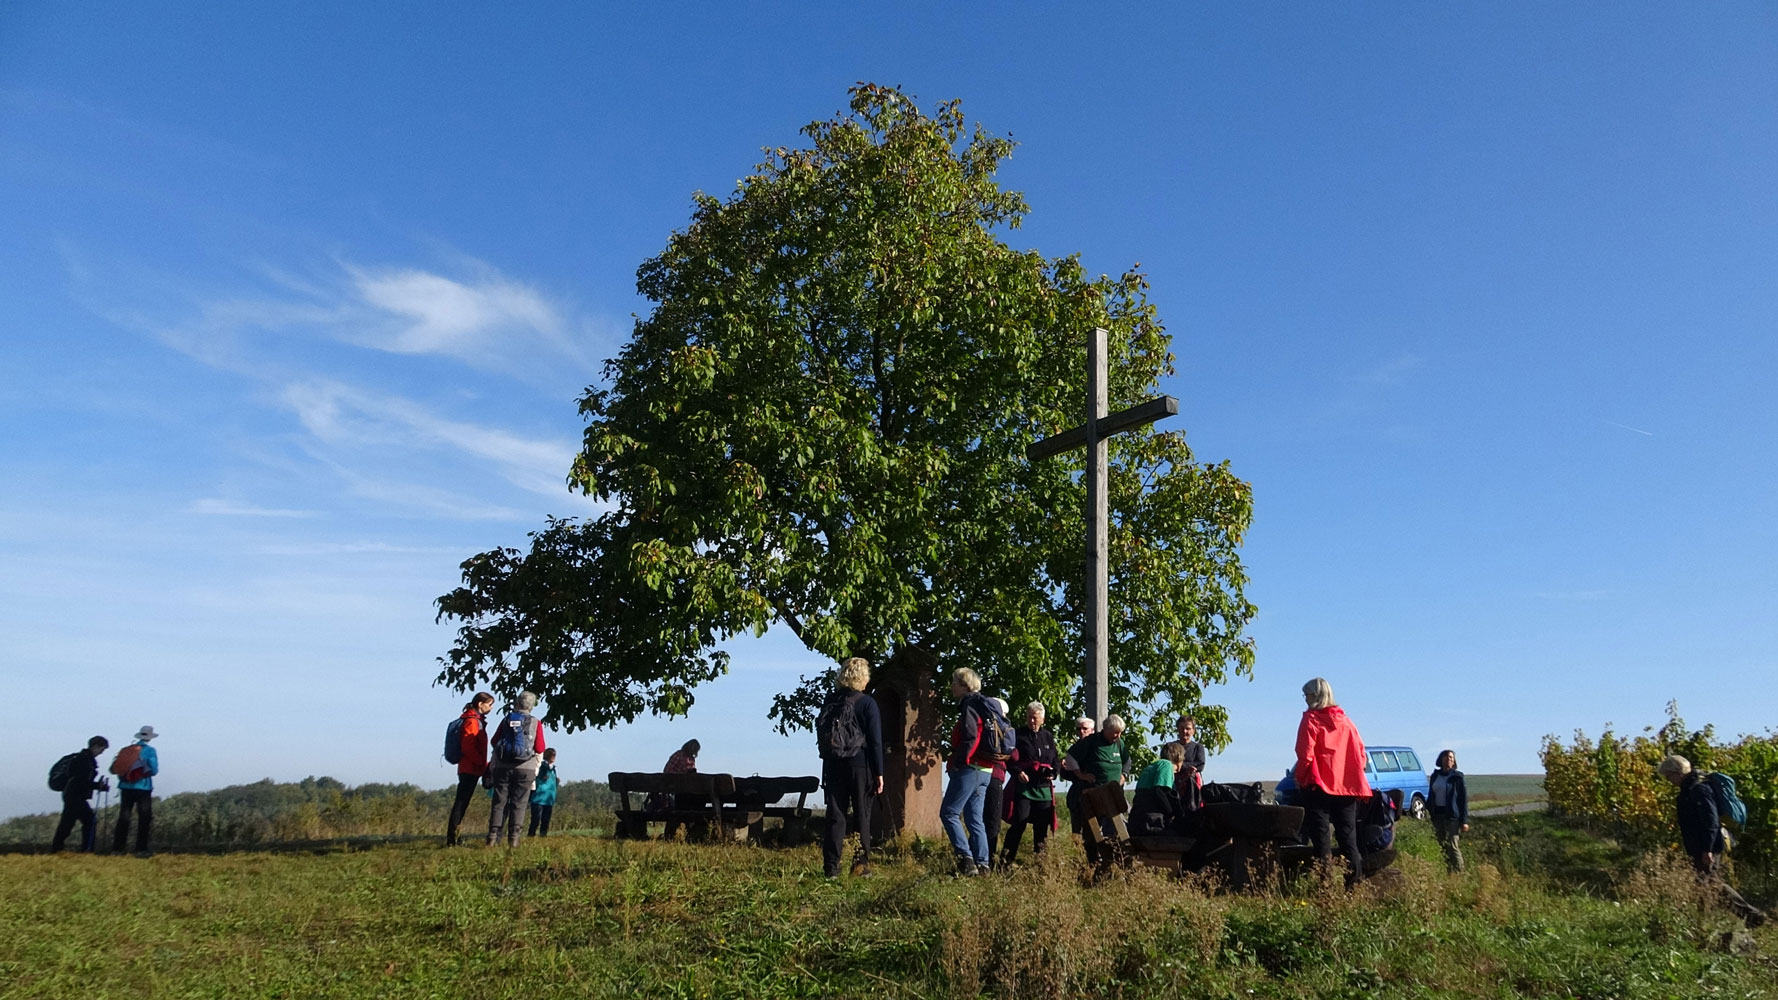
x: 821, y: 424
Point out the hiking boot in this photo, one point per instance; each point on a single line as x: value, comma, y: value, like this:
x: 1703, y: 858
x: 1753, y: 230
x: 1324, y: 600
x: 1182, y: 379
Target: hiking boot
x: 144, y: 854
x: 861, y: 869
x: 983, y: 870
x: 1754, y: 919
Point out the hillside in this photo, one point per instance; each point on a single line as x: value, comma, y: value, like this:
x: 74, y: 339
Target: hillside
x: 314, y: 809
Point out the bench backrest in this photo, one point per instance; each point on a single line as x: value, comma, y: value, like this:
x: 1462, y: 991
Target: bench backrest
x: 718, y: 786
x: 756, y: 788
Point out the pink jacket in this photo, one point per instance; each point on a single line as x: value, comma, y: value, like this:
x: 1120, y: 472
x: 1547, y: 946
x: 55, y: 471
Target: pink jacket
x: 1329, y: 753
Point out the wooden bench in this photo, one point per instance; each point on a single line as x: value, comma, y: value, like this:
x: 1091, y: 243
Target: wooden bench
x: 763, y: 795
x: 731, y: 806
x: 704, y: 802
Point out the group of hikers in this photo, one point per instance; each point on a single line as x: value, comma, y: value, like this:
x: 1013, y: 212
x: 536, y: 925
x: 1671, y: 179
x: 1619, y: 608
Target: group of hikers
x: 998, y: 777
x: 76, y: 776
x: 510, y: 760
x: 997, y: 773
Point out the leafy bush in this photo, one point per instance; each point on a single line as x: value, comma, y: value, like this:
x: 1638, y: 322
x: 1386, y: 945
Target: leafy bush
x: 1611, y: 784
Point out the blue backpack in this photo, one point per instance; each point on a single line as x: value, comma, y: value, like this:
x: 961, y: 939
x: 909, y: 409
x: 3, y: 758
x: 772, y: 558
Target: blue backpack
x: 1728, y: 801
x: 513, y: 743
x: 454, y: 741
x: 998, y: 738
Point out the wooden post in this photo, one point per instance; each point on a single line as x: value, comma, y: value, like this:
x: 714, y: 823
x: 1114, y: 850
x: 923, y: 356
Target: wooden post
x: 1099, y: 425
x: 1098, y: 666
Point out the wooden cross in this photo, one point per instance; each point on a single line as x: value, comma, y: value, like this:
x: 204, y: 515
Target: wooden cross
x: 1092, y: 434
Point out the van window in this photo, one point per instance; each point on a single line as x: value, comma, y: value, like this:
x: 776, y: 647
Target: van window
x: 1383, y: 760
x: 1409, y: 762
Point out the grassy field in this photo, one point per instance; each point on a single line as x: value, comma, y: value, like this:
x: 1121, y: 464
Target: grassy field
x: 1503, y: 789
x: 1542, y: 912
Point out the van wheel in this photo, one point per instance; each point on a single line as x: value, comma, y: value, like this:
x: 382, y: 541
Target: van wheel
x: 1417, y: 808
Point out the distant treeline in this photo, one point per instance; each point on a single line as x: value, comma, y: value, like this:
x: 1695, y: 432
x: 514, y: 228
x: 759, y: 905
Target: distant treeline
x: 269, y: 812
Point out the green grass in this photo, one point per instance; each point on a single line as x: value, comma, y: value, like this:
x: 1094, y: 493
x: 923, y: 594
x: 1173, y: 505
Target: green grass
x: 1543, y: 912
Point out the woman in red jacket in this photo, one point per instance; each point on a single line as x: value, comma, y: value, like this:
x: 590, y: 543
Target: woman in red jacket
x: 473, y: 762
x: 1330, y: 775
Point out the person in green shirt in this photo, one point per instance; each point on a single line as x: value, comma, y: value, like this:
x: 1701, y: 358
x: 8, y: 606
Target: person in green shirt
x: 1156, y: 805
x: 1097, y: 759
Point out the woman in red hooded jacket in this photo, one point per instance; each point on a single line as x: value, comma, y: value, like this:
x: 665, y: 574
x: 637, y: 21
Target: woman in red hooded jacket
x: 1330, y: 774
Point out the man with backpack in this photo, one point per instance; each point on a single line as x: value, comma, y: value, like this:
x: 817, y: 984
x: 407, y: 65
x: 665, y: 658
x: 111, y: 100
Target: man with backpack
x: 76, y: 776
x: 849, y: 730
x: 1701, y: 806
x: 135, y: 767
x: 517, y: 749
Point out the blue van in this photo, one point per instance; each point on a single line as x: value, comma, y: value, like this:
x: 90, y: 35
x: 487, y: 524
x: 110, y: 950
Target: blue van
x: 1399, y: 768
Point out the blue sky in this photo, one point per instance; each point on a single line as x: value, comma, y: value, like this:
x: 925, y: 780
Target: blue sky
x: 1481, y: 299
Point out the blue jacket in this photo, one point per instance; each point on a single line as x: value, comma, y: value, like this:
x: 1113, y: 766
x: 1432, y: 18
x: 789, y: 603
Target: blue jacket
x: 545, y: 792
x: 149, y: 759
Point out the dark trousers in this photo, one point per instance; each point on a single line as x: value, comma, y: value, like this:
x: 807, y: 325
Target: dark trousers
x: 993, y: 814
x: 1736, y: 903
x: 1321, y: 810
x: 849, y: 787
x: 540, y: 820
x: 1027, y: 812
x: 465, y: 794
x: 75, y: 811
x: 142, y: 801
x: 512, y: 799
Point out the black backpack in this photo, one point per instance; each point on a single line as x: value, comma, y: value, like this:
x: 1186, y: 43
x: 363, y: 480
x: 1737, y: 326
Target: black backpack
x: 837, y: 731
x: 62, y: 772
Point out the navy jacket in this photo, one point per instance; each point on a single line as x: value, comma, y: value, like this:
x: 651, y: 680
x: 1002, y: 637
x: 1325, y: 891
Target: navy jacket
x: 870, y: 719
x: 1700, y: 828
x: 1459, y: 804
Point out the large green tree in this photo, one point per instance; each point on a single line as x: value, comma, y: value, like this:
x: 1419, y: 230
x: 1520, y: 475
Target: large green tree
x: 822, y: 425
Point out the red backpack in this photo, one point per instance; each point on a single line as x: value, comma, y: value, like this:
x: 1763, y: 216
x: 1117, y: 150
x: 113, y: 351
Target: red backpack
x: 128, y: 764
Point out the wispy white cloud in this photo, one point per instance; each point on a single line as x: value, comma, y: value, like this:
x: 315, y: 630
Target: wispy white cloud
x: 231, y: 508
x: 430, y: 501
x: 342, y: 415
x: 481, y: 321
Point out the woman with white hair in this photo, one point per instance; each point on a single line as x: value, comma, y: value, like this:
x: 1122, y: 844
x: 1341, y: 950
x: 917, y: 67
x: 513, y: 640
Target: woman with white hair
x: 1330, y: 777
x: 966, y: 777
x: 1031, y: 783
x: 517, y: 745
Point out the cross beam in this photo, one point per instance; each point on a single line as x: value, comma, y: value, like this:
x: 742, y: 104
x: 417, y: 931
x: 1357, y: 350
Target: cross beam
x: 1091, y: 435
